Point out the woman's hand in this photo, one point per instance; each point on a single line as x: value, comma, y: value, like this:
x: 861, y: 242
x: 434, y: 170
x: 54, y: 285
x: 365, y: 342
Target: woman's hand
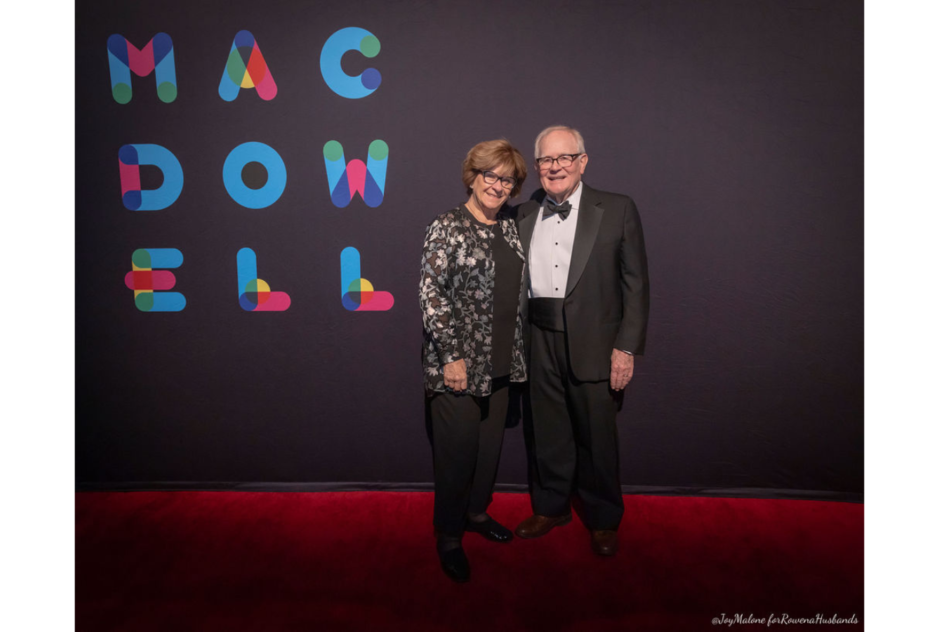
x: 455, y: 375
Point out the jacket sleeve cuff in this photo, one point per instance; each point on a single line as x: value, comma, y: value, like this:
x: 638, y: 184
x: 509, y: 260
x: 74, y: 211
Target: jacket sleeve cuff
x: 450, y: 355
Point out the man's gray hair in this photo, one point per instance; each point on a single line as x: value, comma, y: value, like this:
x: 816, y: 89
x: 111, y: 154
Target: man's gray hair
x: 555, y: 128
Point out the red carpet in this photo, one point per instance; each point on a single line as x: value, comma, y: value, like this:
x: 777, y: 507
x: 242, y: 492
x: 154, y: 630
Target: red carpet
x: 365, y: 561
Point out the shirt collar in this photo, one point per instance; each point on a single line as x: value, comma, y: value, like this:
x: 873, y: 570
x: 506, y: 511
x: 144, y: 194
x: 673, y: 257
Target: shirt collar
x: 574, y: 198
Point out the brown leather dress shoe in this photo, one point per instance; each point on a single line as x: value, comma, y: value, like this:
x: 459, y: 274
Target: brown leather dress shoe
x: 536, y: 526
x: 604, y: 542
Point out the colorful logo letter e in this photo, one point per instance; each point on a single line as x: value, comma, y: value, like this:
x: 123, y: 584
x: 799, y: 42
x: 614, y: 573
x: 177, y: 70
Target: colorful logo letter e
x: 144, y: 279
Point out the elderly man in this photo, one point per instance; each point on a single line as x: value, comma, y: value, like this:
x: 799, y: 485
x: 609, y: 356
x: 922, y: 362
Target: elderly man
x: 588, y: 308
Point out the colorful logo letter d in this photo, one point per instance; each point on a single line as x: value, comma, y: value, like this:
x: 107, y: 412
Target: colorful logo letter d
x: 130, y: 158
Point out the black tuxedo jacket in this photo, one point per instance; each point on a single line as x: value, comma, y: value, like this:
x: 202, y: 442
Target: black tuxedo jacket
x: 606, y: 303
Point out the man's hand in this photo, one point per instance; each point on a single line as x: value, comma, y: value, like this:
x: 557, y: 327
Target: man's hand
x: 621, y: 369
x: 455, y: 375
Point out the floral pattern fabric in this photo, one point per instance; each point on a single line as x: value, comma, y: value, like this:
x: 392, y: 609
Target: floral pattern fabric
x: 458, y: 275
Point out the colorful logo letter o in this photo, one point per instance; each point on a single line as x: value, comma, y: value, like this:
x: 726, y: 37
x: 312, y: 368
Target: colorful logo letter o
x: 236, y: 187
x: 339, y: 43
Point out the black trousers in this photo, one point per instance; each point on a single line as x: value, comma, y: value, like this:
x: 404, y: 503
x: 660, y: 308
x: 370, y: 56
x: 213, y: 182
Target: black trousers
x: 466, y: 439
x: 571, y: 437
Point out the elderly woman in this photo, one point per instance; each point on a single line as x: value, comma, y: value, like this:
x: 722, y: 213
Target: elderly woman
x: 471, y: 289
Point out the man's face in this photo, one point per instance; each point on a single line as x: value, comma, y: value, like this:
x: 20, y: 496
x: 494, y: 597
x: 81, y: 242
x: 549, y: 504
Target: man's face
x: 560, y: 182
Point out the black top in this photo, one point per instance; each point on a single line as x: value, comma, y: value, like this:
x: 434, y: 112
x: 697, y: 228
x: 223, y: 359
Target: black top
x: 505, y: 301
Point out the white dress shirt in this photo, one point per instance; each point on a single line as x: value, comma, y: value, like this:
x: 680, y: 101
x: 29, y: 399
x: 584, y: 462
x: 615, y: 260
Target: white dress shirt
x: 550, y: 249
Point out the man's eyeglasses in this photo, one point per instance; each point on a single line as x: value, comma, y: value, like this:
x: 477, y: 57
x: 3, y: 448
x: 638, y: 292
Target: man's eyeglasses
x: 490, y: 177
x: 564, y: 160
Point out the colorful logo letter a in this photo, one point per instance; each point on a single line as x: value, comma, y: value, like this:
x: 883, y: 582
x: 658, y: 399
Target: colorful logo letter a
x: 246, y: 68
x: 358, y: 293
x: 254, y: 294
x: 348, y: 179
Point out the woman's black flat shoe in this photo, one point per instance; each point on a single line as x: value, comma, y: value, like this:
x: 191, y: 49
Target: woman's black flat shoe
x: 490, y: 529
x: 455, y: 564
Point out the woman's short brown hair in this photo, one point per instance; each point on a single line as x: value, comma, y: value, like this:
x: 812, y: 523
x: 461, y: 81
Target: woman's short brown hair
x: 492, y: 154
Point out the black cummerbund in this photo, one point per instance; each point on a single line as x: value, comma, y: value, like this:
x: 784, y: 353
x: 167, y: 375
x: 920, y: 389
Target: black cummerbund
x: 547, y: 313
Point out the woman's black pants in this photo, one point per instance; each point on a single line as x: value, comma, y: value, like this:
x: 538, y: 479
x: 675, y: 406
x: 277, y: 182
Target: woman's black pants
x: 466, y: 439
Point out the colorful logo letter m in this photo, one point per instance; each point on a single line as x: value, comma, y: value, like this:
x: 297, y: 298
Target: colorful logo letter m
x: 348, y: 179
x: 156, y: 57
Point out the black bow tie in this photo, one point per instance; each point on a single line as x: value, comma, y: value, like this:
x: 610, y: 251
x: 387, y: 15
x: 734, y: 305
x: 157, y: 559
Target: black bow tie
x: 557, y: 209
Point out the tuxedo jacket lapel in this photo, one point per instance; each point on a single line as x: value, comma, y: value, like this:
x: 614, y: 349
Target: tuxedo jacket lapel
x: 589, y: 221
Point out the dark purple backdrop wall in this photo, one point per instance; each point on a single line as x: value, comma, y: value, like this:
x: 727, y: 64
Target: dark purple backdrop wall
x: 736, y: 127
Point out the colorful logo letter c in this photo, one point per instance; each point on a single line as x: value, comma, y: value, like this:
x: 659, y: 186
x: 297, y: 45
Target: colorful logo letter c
x: 339, y: 43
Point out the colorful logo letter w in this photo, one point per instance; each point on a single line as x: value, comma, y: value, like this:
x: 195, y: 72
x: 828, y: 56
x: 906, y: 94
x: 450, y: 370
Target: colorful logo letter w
x: 348, y: 179
x: 358, y: 293
x: 157, y: 55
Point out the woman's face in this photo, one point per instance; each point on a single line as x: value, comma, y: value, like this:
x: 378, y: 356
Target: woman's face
x: 491, y: 196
